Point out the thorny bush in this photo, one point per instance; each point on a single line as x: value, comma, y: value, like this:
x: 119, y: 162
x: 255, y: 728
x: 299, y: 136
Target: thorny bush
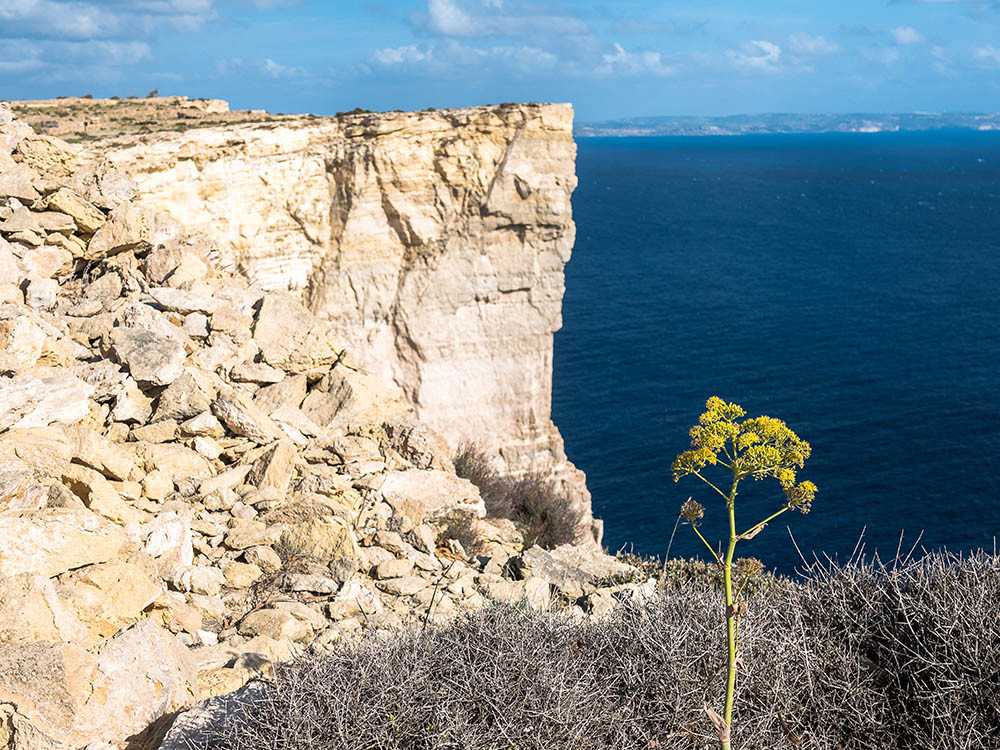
x: 866, y: 656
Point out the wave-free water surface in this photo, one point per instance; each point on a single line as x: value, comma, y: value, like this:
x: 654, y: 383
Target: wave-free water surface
x: 848, y: 284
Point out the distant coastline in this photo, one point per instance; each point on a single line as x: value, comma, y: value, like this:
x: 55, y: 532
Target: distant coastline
x: 775, y: 123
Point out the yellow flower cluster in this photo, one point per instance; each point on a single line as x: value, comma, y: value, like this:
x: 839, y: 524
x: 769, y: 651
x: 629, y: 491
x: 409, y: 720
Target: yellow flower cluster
x: 759, y: 447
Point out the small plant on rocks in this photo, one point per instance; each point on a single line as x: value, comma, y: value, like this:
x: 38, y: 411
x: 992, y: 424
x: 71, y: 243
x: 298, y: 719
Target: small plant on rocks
x: 754, y: 448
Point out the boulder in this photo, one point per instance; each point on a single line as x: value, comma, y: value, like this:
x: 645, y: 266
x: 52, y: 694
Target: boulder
x: 422, y: 494
x: 276, y: 624
x: 243, y: 418
x: 291, y: 338
x: 275, y: 467
x: 326, y: 538
x: 141, y: 675
x: 150, y: 357
x: 100, y: 496
x: 27, y: 401
x: 21, y: 341
x: 108, y: 597
x: 183, y: 399
x: 54, y: 540
x: 32, y: 611
x: 18, y: 487
x: 346, y: 396
x: 128, y: 227
x: 86, y: 216
x: 113, y: 460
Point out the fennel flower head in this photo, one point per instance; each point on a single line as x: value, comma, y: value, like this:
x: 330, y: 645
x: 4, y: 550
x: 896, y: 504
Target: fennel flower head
x: 757, y: 447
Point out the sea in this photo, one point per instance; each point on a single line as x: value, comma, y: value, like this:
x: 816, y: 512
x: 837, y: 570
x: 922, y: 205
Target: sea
x: 848, y: 284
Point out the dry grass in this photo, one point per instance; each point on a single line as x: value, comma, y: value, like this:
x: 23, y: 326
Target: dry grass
x: 867, y: 657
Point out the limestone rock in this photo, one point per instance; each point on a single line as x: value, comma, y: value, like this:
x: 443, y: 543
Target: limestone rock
x: 21, y: 341
x: 140, y: 675
x: 43, y: 684
x: 54, y: 540
x: 242, y: 575
x: 183, y: 399
x: 424, y: 494
x: 41, y: 293
x: 85, y: 214
x: 18, y: 487
x: 326, y: 538
x: 275, y: 467
x: 32, y: 611
x: 292, y: 339
x: 90, y: 448
x: 275, y: 624
x: 108, y: 597
x: 434, y: 243
x: 184, y: 302
x: 242, y: 417
x: 395, y: 568
x: 149, y: 356
x: 100, y: 496
x: 406, y: 586
x: 345, y: 396
x: 128, y: 227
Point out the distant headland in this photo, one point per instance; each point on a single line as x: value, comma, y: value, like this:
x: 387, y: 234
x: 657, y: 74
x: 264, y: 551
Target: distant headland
x: 788, y: 123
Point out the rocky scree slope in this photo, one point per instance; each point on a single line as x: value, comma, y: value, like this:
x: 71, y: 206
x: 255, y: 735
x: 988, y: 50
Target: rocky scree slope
x: 433, y: 242
x: 196, y: 478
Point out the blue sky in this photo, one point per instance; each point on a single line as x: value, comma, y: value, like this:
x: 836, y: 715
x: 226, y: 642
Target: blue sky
x: 623, y: 58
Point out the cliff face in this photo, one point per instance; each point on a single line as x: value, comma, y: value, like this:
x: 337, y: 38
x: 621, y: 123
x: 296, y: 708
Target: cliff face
x: 434, y: 242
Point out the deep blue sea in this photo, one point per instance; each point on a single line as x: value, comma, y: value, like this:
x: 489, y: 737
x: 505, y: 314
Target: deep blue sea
x: 848, y: 284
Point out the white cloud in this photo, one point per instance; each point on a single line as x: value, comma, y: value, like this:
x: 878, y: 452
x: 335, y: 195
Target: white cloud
x: 885, y: 55
x: 634, y: 63
x: 758, y: 55
x: 988, y: 55
x: 907, y: 35
x: 452, y: 58
x: 263, y: 68
x: 806, y: 44
x: 449, y: 19
x: 276, y: 70
x: 72, y: 19
x: 463, y: 18
x: 401, y: 55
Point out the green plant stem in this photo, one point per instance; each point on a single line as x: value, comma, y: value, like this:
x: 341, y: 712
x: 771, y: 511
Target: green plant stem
x: 730, y: 612
x: 764, y: 522
x: 714, y: 553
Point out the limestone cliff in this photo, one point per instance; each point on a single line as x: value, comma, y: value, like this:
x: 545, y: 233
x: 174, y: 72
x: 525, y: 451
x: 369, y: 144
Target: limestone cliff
x: 433, y: 241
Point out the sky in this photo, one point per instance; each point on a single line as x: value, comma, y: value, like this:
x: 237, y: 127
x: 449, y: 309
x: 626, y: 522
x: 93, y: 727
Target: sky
x: 610, y: 59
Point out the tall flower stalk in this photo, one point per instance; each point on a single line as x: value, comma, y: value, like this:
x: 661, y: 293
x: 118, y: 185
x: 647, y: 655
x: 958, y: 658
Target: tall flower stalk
x: 754, y: 448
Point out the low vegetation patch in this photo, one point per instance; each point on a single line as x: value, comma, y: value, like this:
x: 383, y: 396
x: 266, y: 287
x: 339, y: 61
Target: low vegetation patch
x: 532, y: 501
x: 866, y: 656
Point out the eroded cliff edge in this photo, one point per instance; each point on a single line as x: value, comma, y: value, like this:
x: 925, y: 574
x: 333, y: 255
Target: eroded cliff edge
x: 434, y: 242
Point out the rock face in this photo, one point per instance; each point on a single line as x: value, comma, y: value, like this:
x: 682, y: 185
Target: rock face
x: 433, y: 242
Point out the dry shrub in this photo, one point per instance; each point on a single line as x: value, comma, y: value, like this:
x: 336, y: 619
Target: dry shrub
x: 543, y: 515
x: 864, y: 657
x: 274, y: 584
x: 461, y: 527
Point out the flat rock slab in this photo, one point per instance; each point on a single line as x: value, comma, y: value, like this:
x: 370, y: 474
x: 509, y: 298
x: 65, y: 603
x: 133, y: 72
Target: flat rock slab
x: 27, y: 401
x: 54, y: 540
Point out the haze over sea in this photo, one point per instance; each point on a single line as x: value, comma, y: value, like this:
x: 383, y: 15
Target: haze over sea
x: 846, y: 283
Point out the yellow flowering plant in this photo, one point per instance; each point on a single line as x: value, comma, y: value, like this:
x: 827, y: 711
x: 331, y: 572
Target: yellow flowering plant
x: 754, y: 448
